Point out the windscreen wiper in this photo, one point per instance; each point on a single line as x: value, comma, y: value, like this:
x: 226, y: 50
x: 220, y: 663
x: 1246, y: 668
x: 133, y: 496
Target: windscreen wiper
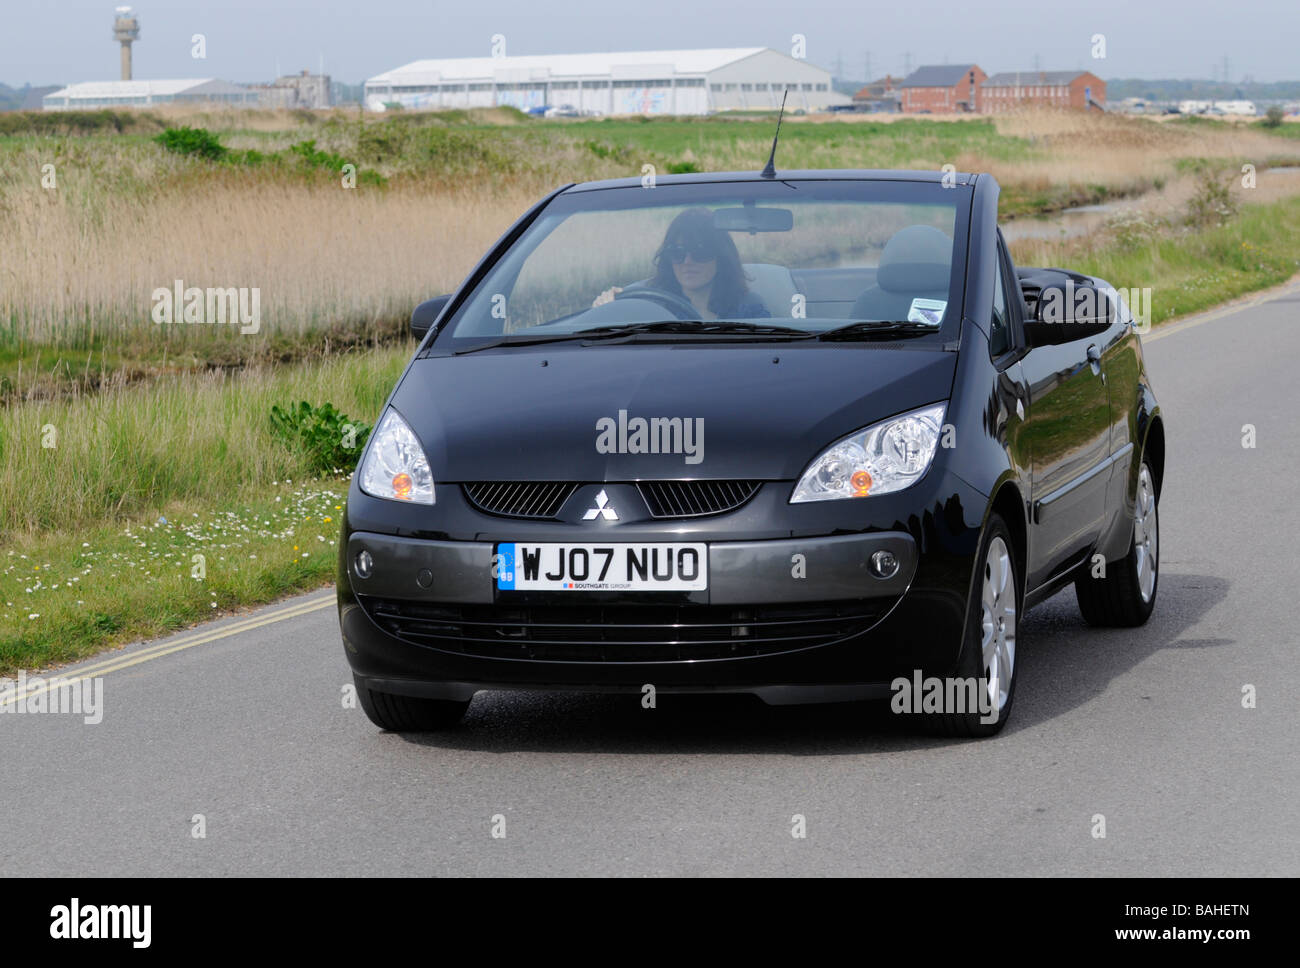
x: 694, y: 326
x: 519, y: 339
x: 878, y: 328
x: 633, y: 329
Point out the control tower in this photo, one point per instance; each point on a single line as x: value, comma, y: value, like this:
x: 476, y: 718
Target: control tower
x: 126, y: 28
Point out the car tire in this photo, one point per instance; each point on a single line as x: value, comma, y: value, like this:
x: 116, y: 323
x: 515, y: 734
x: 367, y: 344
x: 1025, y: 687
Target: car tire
x: 988, y: 650
x: 1126, y: 595
x: 408, y: 714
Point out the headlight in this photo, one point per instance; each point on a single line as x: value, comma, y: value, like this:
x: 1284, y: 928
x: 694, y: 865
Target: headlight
x: 395, y: 466
x: 884, y: 457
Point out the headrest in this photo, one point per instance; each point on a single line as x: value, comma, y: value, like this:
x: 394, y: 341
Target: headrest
x: 916, y: 258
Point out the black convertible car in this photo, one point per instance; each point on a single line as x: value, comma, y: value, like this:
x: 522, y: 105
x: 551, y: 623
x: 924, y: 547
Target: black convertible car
x: 809, y: 436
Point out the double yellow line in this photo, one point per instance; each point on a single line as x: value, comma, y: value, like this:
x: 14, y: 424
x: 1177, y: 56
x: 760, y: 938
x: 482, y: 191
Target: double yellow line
x: 106, y: 666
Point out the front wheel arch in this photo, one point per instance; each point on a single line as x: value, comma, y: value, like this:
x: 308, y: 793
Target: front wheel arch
x: 1153, y: 448
x: 1009, y: 505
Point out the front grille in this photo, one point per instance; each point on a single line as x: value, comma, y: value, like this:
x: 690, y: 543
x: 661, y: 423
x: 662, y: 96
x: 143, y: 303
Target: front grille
x: 621, y: 632
x: 691, y: 499
x: 520, y: 499
x: 542, y: 500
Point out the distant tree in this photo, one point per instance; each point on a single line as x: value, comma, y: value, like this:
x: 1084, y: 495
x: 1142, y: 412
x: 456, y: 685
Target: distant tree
x: 1273, y: 116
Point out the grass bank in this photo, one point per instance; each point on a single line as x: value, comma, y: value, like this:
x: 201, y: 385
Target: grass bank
x: 105, y: 500
x: 1187, y: 268
x: 64, y: 597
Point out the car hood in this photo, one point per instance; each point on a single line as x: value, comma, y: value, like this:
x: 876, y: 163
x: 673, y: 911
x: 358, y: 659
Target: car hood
x: 569, y: 413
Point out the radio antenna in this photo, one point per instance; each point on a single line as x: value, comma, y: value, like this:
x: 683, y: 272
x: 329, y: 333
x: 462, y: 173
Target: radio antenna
x: 770, y: 170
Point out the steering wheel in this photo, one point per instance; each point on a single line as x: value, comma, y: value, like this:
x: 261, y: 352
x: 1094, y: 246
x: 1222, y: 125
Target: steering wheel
x: 679, y: 306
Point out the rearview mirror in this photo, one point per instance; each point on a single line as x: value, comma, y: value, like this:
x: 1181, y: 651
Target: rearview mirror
x: 753, y: 219
x: 426, y: 315
x: 1067, y: 313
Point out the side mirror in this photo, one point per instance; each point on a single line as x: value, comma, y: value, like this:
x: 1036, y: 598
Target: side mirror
x: 426, y: 314
x: 1067, y: 313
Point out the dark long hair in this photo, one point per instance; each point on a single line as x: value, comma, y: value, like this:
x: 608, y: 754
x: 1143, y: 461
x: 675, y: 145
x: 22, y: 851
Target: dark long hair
x: 696, y: 225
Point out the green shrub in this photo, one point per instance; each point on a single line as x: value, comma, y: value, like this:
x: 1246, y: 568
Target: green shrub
x: 309, y: 154
x: 328, y: 439
x: 1273, y: 116
x: 103, y: 121
x: 455, y: 152
x: 608, y: 152
x: 249, y: 157
x: 1213, y: 202
x: 192, y: 141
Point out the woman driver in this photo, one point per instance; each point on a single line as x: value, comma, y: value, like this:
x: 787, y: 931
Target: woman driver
x: 701, y: 264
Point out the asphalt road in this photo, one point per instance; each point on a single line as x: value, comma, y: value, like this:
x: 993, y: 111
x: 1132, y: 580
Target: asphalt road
x: 242, y: 721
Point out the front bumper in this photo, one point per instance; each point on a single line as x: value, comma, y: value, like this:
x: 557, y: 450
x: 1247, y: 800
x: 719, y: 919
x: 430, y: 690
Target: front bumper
x: 790, y: 618
x: 740, y: 572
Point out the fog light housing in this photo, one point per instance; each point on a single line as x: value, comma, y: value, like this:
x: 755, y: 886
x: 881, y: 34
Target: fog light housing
x: 363, y: 565
x: 884, y: 564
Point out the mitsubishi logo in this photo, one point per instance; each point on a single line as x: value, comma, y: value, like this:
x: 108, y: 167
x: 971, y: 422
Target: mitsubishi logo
x: 602, y: 509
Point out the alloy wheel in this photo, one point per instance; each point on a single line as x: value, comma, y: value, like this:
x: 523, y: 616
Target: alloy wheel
x: 1145, y: 538
x: 998, y: 637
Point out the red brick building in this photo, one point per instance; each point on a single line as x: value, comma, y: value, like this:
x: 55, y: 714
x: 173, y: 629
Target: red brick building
x: 879, y: 95
x: 943, y: 89
x: 1081, y: 90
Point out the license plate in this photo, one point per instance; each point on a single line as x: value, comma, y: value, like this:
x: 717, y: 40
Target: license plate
x: 523, y: 566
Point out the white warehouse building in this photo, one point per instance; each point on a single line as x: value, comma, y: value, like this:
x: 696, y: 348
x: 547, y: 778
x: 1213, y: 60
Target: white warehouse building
x: 141, y: 94
x: 628, y: 82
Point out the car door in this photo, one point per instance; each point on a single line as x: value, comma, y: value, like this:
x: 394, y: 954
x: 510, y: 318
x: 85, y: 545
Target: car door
x: 1066, y: 435
x: 1006, y: 347
x: 1122, y: 367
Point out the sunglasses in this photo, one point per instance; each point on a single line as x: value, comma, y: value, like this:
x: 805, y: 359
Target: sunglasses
x: 698, y: 251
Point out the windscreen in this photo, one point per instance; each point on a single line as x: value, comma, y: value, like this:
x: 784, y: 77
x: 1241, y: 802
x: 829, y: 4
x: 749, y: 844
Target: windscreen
x: 807, y: 255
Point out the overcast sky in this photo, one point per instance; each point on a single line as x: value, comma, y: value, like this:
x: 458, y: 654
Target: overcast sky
x: 64, y: 41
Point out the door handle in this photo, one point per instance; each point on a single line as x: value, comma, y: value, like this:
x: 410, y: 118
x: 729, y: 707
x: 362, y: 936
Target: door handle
x: 1094, y: 360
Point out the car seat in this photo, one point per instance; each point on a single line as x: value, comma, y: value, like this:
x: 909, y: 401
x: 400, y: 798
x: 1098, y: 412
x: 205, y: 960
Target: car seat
x: 916, y: 264
x: 773, y: 284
